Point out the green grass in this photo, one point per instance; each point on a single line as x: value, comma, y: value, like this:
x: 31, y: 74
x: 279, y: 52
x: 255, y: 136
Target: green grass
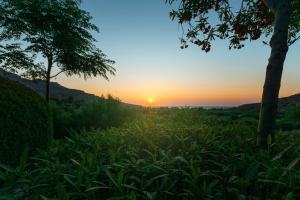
x: 163, y: 154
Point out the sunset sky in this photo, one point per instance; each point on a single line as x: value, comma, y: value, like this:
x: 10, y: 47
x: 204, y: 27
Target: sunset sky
x: 144, y: 42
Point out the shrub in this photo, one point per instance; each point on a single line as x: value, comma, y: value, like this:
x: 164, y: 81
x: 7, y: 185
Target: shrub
x: 24, y: 121
x: 100, y: 114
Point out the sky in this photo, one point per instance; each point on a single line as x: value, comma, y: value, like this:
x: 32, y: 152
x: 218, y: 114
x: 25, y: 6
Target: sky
x: 144, y: 42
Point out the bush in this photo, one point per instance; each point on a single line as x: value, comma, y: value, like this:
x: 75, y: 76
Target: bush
x: 24, y: 121
x: 100, y: 114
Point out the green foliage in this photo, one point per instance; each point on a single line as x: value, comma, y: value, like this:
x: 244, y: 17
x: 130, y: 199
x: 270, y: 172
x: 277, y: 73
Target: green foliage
x: 101, y: 114
x: 165, y: 154
x: 294, y: 112
x: 24, y: 121
x: 12, y: 58
x: 238, y: 21
x: 57, y: 31
x: 290, y: 119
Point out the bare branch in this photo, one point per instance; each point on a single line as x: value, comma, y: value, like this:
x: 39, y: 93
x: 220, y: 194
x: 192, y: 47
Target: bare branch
x: 57, y: 74
x: 294, y: 40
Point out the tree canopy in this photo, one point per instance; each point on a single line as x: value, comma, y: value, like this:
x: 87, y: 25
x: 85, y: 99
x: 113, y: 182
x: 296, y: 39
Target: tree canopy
x: 52, y: 33
x: 237, y: 21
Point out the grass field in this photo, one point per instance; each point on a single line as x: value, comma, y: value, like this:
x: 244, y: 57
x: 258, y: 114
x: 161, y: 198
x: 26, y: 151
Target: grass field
x: 161, y: 154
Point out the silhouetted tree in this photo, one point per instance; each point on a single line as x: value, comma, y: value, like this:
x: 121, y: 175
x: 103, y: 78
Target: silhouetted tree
x: 206, y: 20
x: 12, y: 57
x: 54, y: 31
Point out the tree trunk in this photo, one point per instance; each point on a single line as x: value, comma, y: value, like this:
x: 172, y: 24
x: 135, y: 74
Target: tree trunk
x: 279, y: 48
x: 48, y: 77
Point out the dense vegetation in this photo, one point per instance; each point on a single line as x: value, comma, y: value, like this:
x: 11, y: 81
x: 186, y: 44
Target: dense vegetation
x: 290, y: 119
x: 99, y: 114
x: 161, y: 154
x: 288, y: 116
x: 105, y: 149
x: 25, y: 121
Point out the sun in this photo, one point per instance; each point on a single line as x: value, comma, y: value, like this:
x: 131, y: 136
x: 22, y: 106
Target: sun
x: 150, y: 100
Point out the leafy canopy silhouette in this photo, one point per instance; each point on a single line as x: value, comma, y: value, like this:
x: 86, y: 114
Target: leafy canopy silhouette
x: 57, y: 31
x: 204, y: 21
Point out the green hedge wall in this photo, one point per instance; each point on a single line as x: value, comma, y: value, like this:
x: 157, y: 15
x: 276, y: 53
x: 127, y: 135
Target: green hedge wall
x: 25, y: 121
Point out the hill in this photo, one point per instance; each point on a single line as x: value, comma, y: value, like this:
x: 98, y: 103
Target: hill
x: 283, y: 103
x: 57, y: 91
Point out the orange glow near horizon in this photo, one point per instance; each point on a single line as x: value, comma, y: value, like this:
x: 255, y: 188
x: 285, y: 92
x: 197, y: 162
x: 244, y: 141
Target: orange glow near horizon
x: 163, y: 93
x: 213, y: 97
x: 189, y: 98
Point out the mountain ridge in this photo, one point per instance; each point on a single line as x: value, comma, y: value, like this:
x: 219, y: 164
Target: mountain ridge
x: 283, y: 103
x: 57, y: 91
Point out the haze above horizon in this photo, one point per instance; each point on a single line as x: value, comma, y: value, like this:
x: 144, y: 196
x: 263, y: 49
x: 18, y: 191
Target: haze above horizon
x: 144, y: 42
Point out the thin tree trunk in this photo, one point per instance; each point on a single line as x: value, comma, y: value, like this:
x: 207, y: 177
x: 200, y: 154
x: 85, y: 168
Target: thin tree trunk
x: 48, y: 77
x: 279, y: 46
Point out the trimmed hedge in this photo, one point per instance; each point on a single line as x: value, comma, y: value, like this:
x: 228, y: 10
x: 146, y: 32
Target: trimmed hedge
x: 25, y: 121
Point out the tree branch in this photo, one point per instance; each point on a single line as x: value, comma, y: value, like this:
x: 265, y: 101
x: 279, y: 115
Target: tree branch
x: 57, y: 74
x: 294, y: 40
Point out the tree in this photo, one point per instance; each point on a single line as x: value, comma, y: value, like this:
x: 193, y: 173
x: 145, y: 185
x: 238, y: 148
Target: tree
x: 12, y: 57
x: 205, y: 20
x: 49, y: 34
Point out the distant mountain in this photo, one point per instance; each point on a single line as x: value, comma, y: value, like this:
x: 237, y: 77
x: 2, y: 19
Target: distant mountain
x: 57, y: 91
x: 283, y: 103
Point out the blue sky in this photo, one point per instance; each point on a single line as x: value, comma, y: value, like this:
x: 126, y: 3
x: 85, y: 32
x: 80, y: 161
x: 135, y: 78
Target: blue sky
x: 144, y: 42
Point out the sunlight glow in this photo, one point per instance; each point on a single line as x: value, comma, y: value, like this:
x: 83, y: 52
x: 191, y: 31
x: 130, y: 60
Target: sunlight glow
x: 150, y: 101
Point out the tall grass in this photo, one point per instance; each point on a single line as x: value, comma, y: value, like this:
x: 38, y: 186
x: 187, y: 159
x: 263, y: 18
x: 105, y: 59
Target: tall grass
x: 165, y: 154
